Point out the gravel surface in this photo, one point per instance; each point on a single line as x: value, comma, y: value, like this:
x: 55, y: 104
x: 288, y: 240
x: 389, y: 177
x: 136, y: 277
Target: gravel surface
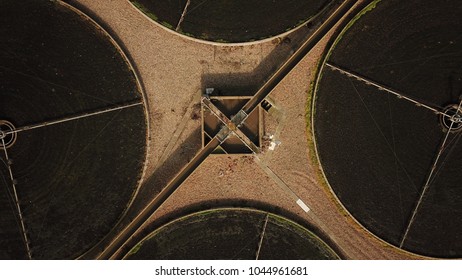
x: 174, y: 70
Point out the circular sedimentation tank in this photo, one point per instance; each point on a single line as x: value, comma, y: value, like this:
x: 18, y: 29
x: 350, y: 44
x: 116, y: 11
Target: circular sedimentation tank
x: 73, y: 131
x: 387, y: 123
x: 231, y: 233
x: 233, y: 21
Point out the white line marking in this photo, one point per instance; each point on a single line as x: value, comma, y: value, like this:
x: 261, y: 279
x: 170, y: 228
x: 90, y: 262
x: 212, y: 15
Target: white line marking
x: 303, y: 205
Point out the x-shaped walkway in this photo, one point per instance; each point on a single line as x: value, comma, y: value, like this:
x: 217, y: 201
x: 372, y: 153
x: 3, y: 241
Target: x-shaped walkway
x: 231, y: 126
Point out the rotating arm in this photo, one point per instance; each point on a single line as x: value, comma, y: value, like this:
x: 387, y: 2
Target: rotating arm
x: 384, y: 88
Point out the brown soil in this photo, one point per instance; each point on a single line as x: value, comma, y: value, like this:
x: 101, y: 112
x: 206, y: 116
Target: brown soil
x: 174, y: 71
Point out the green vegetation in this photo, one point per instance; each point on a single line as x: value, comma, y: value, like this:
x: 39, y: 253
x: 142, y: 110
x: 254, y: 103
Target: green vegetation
x: 144, y: 10
x: 221, y: 41
x: 298, y: 230
x: 236, y: 230
x: 187, y: 34
x: 364, y: 11
x: 166, y: 24
x: 309, y: 112
x: 310, y: 108
x: 135, y: 249
x: 234, y: 21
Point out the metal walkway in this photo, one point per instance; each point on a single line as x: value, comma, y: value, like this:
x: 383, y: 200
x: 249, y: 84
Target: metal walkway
x: 116, y: 245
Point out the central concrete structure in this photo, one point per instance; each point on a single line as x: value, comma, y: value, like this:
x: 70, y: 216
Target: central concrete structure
x: 237, y: 132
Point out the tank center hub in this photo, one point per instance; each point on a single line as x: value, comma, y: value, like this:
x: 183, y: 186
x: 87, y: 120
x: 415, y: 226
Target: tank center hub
x: 452, y: 118
x: 7, y: 134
